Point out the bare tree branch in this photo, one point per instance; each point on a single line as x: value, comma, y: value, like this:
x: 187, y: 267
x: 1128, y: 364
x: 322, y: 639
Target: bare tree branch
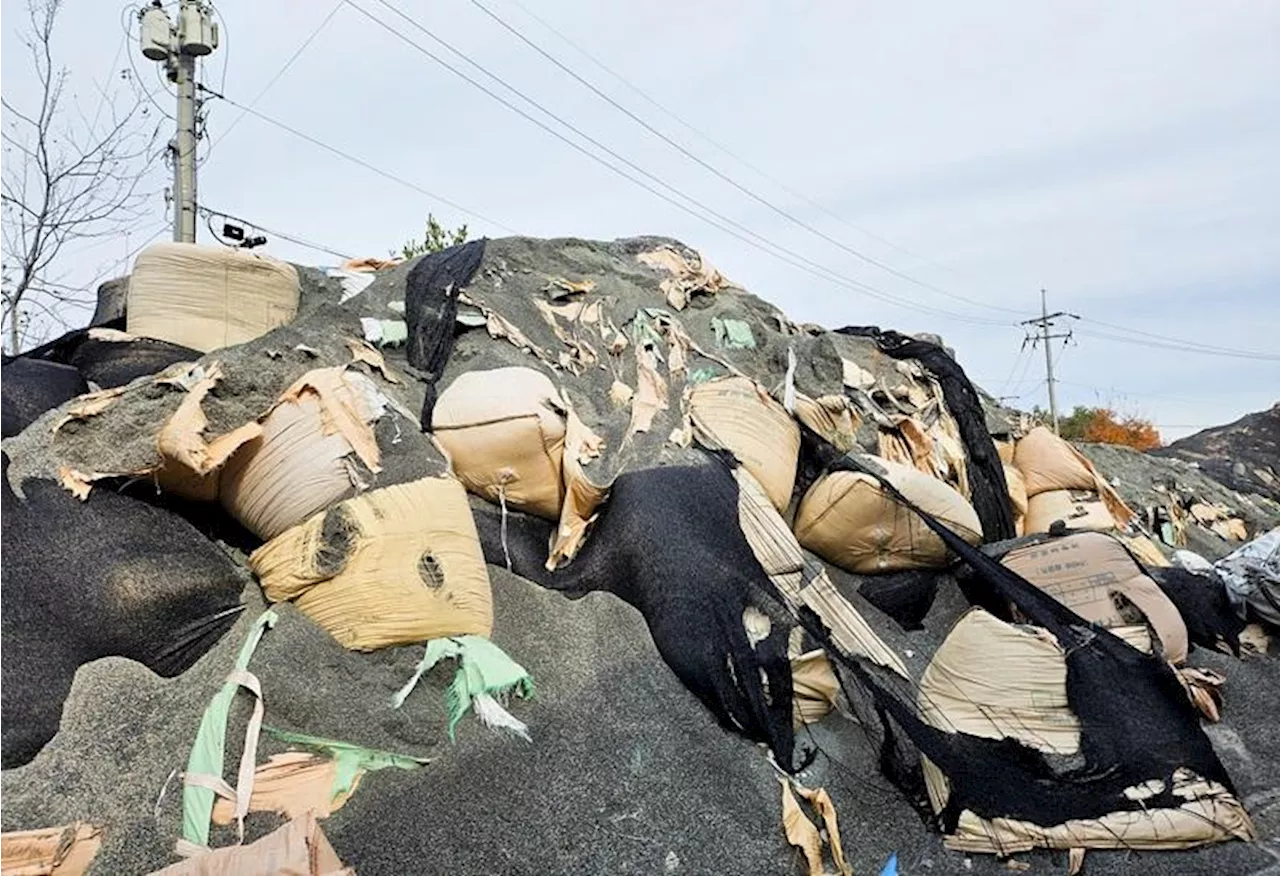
x: 67, y: 180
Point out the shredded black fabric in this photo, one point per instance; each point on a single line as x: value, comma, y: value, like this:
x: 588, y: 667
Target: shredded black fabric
x: 111, y: 363
x: 84, y: 580
x: 116, y: 363
x: 29, y: 387
x: 669, y: 543
x: 904, y: 596
x: 431, y: 311
x: 1206, y: 609
x: 987, y: 487
x: 1136, y: 722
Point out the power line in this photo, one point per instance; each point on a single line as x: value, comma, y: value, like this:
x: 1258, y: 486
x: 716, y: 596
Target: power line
x: 209, y: 213
x: 1181, y: 346
x: 817, y: 205
x: 297, y: 53
x: 1183, y: 343
x: 751, y: 238
x: 749, y: 192
x: 399, y: 180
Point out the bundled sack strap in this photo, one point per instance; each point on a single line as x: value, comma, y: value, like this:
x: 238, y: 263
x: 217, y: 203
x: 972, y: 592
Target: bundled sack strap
x: 203, y: 778
x: 485, y: 673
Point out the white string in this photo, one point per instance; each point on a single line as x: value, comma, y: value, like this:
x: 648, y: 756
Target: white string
x: 502, y: 500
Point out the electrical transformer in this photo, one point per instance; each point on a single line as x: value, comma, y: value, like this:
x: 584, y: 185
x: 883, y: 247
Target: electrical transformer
x: 154, y: 35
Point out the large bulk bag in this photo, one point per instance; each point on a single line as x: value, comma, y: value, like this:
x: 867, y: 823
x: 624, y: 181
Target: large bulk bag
x: 207, y: 297
x: 1097, y: 578
x: 999, y: 681
x: 1077, y: 509
x: 1017, y: 488
x: 504, y: 430
x: 848, y: 519
x: 393, y: 566
x: 1049, y: 463
x: 309, y: 454
x: 733, y: 413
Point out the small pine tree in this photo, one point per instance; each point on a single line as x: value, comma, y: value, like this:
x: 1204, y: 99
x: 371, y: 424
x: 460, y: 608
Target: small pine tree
x: 437, y: 237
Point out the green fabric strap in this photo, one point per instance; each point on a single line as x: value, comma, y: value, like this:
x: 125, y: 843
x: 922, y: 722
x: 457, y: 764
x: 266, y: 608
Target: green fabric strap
x: 210, y: 745
x: 483, y: 669
x: 351, y: 759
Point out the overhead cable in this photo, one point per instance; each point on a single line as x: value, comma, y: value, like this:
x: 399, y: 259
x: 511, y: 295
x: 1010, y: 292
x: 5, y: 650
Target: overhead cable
x: 764, y: 174
x: 711, y: 168
x: 720, y: 221
x: 209, y: 213
x: 297, y: 53
x: 399, y: 180
x: 1182, y: 342
x: 1180, y: 347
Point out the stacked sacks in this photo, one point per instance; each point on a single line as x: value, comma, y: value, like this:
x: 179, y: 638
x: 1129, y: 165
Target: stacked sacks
x: 504, y: 431
x: 1062, y: 485
x: 1012, y: 686
x: 316, y: 448
x: 207, y: 298
x: 732, y: 412
x: 1096, y: 577
x: 848, y: 519
x: 513, y: 440
x: 1017, y: 497
x: 1095, y: 741
x: 393, y: 566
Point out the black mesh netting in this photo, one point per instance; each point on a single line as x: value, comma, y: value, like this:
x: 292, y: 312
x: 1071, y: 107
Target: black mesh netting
x: 668, y: 542
x: 905, y: 596
x: 990, y: 493
x: 1136, y: 722
x: 1206, y: 609
x: 29, y: 387
x: 431, y: 311
x: 109, y: 576
x: 109, y: 362
x: 116, y: 363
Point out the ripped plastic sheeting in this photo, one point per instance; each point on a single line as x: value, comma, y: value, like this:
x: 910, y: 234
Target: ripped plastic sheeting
x: 689, y: 276
x: 803, y: 584
x: 485, y: 675
x: 803, y: 834
x: 320, y: 780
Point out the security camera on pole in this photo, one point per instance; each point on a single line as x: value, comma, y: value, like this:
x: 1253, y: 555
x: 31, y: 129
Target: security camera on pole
x: 195, y: 35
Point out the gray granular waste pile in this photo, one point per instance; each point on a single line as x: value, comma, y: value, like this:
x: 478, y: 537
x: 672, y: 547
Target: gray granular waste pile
x: 567, y: 556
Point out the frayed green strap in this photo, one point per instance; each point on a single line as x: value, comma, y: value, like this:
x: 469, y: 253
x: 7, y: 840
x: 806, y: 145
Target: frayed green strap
x: 350, y: 759
x: 483, y: 669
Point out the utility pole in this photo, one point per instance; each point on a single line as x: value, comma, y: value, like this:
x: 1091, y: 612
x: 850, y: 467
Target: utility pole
x: 194, y: 36
x: 1044, y: 326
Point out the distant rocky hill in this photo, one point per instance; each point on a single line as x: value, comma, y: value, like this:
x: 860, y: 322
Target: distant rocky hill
x: 1244, y: 455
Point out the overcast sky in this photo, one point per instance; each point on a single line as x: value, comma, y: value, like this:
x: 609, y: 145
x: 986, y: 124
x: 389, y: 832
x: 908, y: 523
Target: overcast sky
x: 1124, y: 156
